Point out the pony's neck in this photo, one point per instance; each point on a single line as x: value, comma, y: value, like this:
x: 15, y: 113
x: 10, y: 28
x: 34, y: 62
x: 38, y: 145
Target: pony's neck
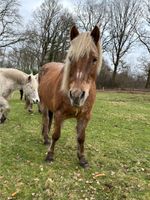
x: 19, y: 81
x: 16, y: 76
x: 11, y: 80
x: 11, y: 86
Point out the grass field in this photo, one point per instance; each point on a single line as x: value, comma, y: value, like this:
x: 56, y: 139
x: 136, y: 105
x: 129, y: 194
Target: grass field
x: 117, y: 147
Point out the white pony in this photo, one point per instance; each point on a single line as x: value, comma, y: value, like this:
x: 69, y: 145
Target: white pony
x: 13, y: 79
x: 28, y: 102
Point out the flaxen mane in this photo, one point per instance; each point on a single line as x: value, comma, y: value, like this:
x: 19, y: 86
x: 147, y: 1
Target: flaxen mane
x: 82, y: 45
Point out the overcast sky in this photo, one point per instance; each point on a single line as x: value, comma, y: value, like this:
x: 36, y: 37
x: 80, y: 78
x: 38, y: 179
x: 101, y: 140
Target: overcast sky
x: 28, y: 6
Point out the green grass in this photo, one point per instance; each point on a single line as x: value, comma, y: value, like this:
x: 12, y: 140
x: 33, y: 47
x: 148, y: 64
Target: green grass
x: 117, y: 145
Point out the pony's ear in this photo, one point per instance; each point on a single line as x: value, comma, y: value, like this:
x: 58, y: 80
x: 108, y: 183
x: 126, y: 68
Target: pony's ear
x: 29, y: 78
x: 74, y: 33
x: 95, y: 33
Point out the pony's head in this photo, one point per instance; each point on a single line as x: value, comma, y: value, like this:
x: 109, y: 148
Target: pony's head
x: 31, y: 89
x: 82, y: 65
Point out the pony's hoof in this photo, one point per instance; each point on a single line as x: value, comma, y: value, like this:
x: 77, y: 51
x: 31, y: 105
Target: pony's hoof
x: 49, y: 157
x: 84, y: 163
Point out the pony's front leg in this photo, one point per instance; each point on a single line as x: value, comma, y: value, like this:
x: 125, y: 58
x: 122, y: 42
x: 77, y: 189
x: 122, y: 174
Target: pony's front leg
x: 28, y: 105
x: 81, y: 126
x: 55, y: 136
x: 30, y: 108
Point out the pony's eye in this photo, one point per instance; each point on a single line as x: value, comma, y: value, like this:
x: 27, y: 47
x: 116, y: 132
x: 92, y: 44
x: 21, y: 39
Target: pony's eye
x: 94, y: 60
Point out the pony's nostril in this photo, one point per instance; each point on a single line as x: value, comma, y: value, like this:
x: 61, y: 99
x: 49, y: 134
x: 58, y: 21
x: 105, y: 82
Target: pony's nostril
x: 37, y: 100
x: 82, y: 95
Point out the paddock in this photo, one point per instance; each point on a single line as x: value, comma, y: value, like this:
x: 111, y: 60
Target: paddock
x: 117, y: 147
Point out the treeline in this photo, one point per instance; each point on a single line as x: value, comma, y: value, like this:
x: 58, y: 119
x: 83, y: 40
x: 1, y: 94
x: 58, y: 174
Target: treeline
x: 124, y: 79
x: 123, y: 24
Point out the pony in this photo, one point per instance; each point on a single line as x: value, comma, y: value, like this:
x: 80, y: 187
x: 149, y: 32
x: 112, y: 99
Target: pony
x: 68, y: 90
x: 14, y: 79
x: 28, y: 101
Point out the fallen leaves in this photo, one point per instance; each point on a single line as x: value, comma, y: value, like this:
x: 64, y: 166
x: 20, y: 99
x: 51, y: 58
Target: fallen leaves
x: 14, y: 194
x: 98, y: 175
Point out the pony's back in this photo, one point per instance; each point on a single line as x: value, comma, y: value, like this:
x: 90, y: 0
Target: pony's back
x: 51, y: 67
x: 14, y: 75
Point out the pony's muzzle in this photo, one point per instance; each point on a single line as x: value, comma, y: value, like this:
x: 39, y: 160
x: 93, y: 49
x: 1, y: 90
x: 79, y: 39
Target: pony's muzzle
x: 36, y: 101
x: 76, y: 97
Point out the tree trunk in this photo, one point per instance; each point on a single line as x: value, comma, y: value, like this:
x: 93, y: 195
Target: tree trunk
x: 42, y: 59
x: 147, y: 85
x: 114, y: 75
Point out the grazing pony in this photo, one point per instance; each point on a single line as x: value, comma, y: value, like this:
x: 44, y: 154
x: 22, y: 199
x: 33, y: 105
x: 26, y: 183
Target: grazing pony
x: 13, y: 79
x: 68, y: 90
x: 28, y: 101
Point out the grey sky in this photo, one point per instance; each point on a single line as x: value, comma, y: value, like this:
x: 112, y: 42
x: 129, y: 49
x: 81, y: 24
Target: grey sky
x: 28, y: 6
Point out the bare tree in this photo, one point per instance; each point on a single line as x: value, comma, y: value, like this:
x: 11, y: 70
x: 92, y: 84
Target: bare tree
x: 145, y: 67
x: 31, y: 47
x: 46, y: 38
x: 90, y: 13
x: 2, y: 57
x: 104, y: 78
x: 147, y: 74
x: 143, y: 32
x: 43, y: 18
x: 52, y: 23
x: 22, y: 58
x: 9, y: 20
x: 23, y: 55
x: 124, y: 17
x: 60, y: 41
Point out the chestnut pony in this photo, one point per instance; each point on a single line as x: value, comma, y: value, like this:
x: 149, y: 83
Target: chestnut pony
x: 68, y: 90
